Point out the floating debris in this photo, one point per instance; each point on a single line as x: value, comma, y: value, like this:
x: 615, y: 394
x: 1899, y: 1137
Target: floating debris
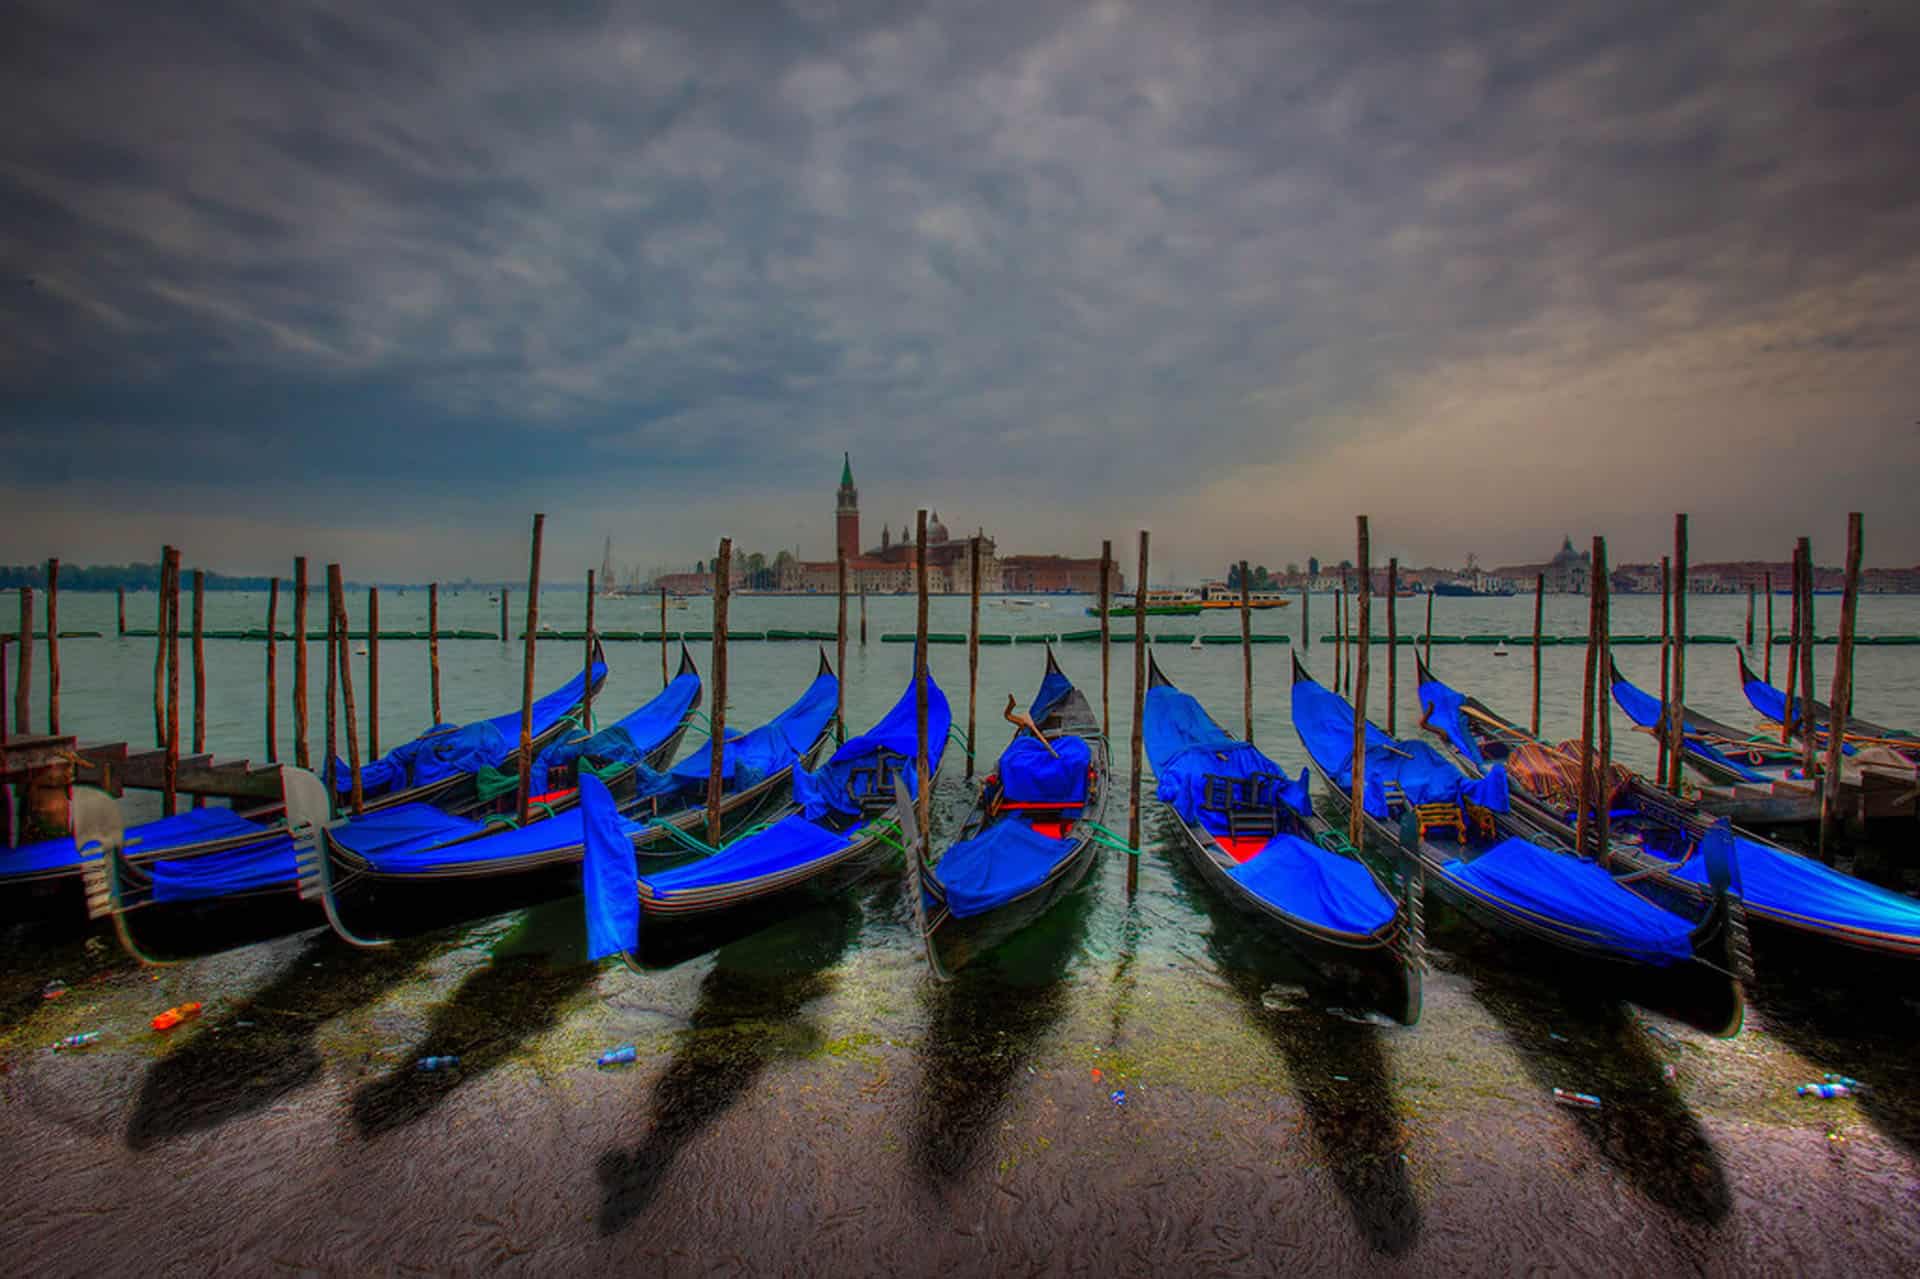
x: 1825, y: 1092
x: 624, y: 1055
x: 1832, y: 1078
x: 436, y: 1063
x: 1118, y: 1096
x: 1576, y: 1100
x: 1281, y: 998
x: 80, y: 1040
x: 175, y: 1015
x: 53, y: 989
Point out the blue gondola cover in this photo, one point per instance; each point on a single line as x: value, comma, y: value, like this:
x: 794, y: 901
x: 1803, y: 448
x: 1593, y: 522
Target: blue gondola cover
x: 788, y: 844
x: 1644, y: 710
x: 752, y: 757
x: 1315, y: 885
x: 609, y: 874
x: 1031, y: 774
x: 1577, y: 895
x: 1010, y: 858
x: 825, y: 789
x: 1324, y: 721
x: 1186, y: 746
x: 1442, y: 708
x: 629, y: 740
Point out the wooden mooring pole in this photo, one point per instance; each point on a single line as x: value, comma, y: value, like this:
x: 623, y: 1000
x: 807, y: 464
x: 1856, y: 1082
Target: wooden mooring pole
x: 1139, y: 709
x: 1357, y: 669
x: 1340, y: 635
x: 160, y: 656
x: 973, y: 643
x: 1106, y: 639
x: 863, y: 617
x: 1807, y: 633
x: 53, y: 647
x: 1788, y: 712
x: 373, y: 672
x: 1429, y: 632
x: 1393, y: 640
x: 199, y: 670
x: 1594, y: 679
x: 342, y: 654
x: 273, y: 671
x: 331, y: 715
x: 1306, y: 636
x: 840, y: 658
x: 922, y: 758
x: 120, y: 608
x: 504, y: 634
x: 1603, y: 705
x: 1664, y: 745
x: 665, y: 677
x: 1539, y: 612
x: 23, y: 678
x: 716, y: 749
x: 1246, y: 655
x: 1749, y: 617
x: 300, y: 757
x: 433, y: 651
x: 1839, y: 694
x: 170, y: 791
x: 1676, y: 709
x: 586, y: 665
x: 525, y: 800
x: 1766, y: 656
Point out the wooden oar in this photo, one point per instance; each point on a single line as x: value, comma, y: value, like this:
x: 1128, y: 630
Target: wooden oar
x: 1020, y: 719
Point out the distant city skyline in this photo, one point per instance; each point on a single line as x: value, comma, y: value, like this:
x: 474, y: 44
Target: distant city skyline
x: 329, y: 281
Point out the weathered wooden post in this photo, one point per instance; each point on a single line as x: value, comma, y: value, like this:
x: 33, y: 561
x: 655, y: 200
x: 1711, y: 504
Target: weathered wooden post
x: 342, y: 650
x: 840, y: 655
x: 300, y: 757
x: 1595, y: 679
x: 1666, y: 759
x: 1106, y: 638
x: 199, y: 670
x: 53, y: 647
x: 973, y: 643
x: 160, y: 656
x: 1539, y: 612
x: 1840, y: 691
x: 1340, y: 635
x: 1766, y: 657
x: 1139, y: 710
x: 524, y: 806
x: 1356, y: 828
x: 504, y: 634
x: 373, y: 672
x: 1603, y: 705
x: 1676, y: 713
x: 1788, y: 713
x: 1306, y: 636
x: 120, y: 608
x: 1246, y: 655
x: 1749, y: 644
x: 716, y: 750
x: 1393, y: 639
x: 586, y: 666
x: 24, y: 678
x: 1429, y: 636
x: 1807, y: 635
x: 329, y: 767
x: 433, y: 650
x: 922, y: 759
x: 863, y: 616
x: 273, y: 671
x: 665, y: 677
x: 170, y: 791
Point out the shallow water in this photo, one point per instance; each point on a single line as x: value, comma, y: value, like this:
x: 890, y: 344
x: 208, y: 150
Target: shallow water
x: 808, y: 1100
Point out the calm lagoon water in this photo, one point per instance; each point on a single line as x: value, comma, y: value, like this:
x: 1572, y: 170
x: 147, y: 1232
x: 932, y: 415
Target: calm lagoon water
x: 807, y: 1100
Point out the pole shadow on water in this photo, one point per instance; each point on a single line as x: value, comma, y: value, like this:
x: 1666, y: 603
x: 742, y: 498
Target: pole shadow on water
x: 521, y: 993
x: 747, y: 1016
x: 984, y: 1027
x: 1853, y: 1026
x: 1341, y: 1076
x: 262, y: 1049
x: 1579, y: 1036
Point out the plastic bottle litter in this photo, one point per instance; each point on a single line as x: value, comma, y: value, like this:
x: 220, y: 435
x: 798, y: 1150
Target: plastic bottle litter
x: 1118, y: 1096
x: 1824, y: 1091
x: 174, y: 1016
x: 436, y: 1063
x: 53, y: 989
x: 624, y: 1055
x: 77, y: 1041
x: 1832, y: 1078
x: 1577, y: 1100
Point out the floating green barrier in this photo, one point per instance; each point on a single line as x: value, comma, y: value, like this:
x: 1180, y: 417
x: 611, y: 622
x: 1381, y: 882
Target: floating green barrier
x: 1272, y: 639
x: 657, y: 636
x: 787, y: 635
x: 1480, y: 639
x: 933, y: 637
x: 1014, y: 639
x: 697, y: 635
x: 745, y: 635
x: 1886, y: 639
x: 466, y: 635
x: 1080, y: 637
x: 1715, y: 639
x: 829, y: 637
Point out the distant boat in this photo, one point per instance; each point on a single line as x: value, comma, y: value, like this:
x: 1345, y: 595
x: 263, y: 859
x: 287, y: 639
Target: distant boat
x: 1464, y: 588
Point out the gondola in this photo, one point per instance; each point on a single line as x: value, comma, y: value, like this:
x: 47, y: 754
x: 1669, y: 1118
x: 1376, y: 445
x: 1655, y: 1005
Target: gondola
x: 1577, y: 918
x: 835, y: 831
x: 1029, y: 839
x: 421, y: 856
x: 1717, y: 751
x: 1252, y: 833
x: 1800, y: 911
x: 207, y: 853
x: 1771, y: 703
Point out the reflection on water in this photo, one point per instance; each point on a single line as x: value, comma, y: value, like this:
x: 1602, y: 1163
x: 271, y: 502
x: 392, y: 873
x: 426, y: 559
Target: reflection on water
x: 983, y: 1029
x: 1583, y: 1039
x: 523, y: 993
x: 1342, y: 1080
x: 746, y: 1017
x: 262, y: 1049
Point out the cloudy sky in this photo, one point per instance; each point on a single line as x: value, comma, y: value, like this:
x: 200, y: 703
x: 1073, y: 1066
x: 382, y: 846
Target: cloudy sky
x: 375, y: 282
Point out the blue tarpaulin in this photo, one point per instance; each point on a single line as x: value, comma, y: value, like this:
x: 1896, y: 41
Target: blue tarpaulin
x: 825, y: 789
x: 1312, y: 884
x: 1442, y: 708
x: 1773, y: 879
x: 1053, y: 689
x: 239, y: 870
x: 752, y: 757
x: 1772, y: 703
x: 1578, y: 896
x: 1186, y: 746
x: 449, y: 750
x: 789, y: 844
x: 1031, y: 774
x: 629, y: 740
x: 195, y: 826
x: 609, y: 874
x: 1324, y: 721
x: 1644, y: 710
x: 1009, y: 859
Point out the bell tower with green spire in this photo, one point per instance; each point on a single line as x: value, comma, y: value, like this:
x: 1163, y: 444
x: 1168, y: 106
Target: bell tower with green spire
x: 846, y: 511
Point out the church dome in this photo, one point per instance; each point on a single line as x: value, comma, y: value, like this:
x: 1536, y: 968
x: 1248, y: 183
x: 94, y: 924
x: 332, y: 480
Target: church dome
x: 936, y: 531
